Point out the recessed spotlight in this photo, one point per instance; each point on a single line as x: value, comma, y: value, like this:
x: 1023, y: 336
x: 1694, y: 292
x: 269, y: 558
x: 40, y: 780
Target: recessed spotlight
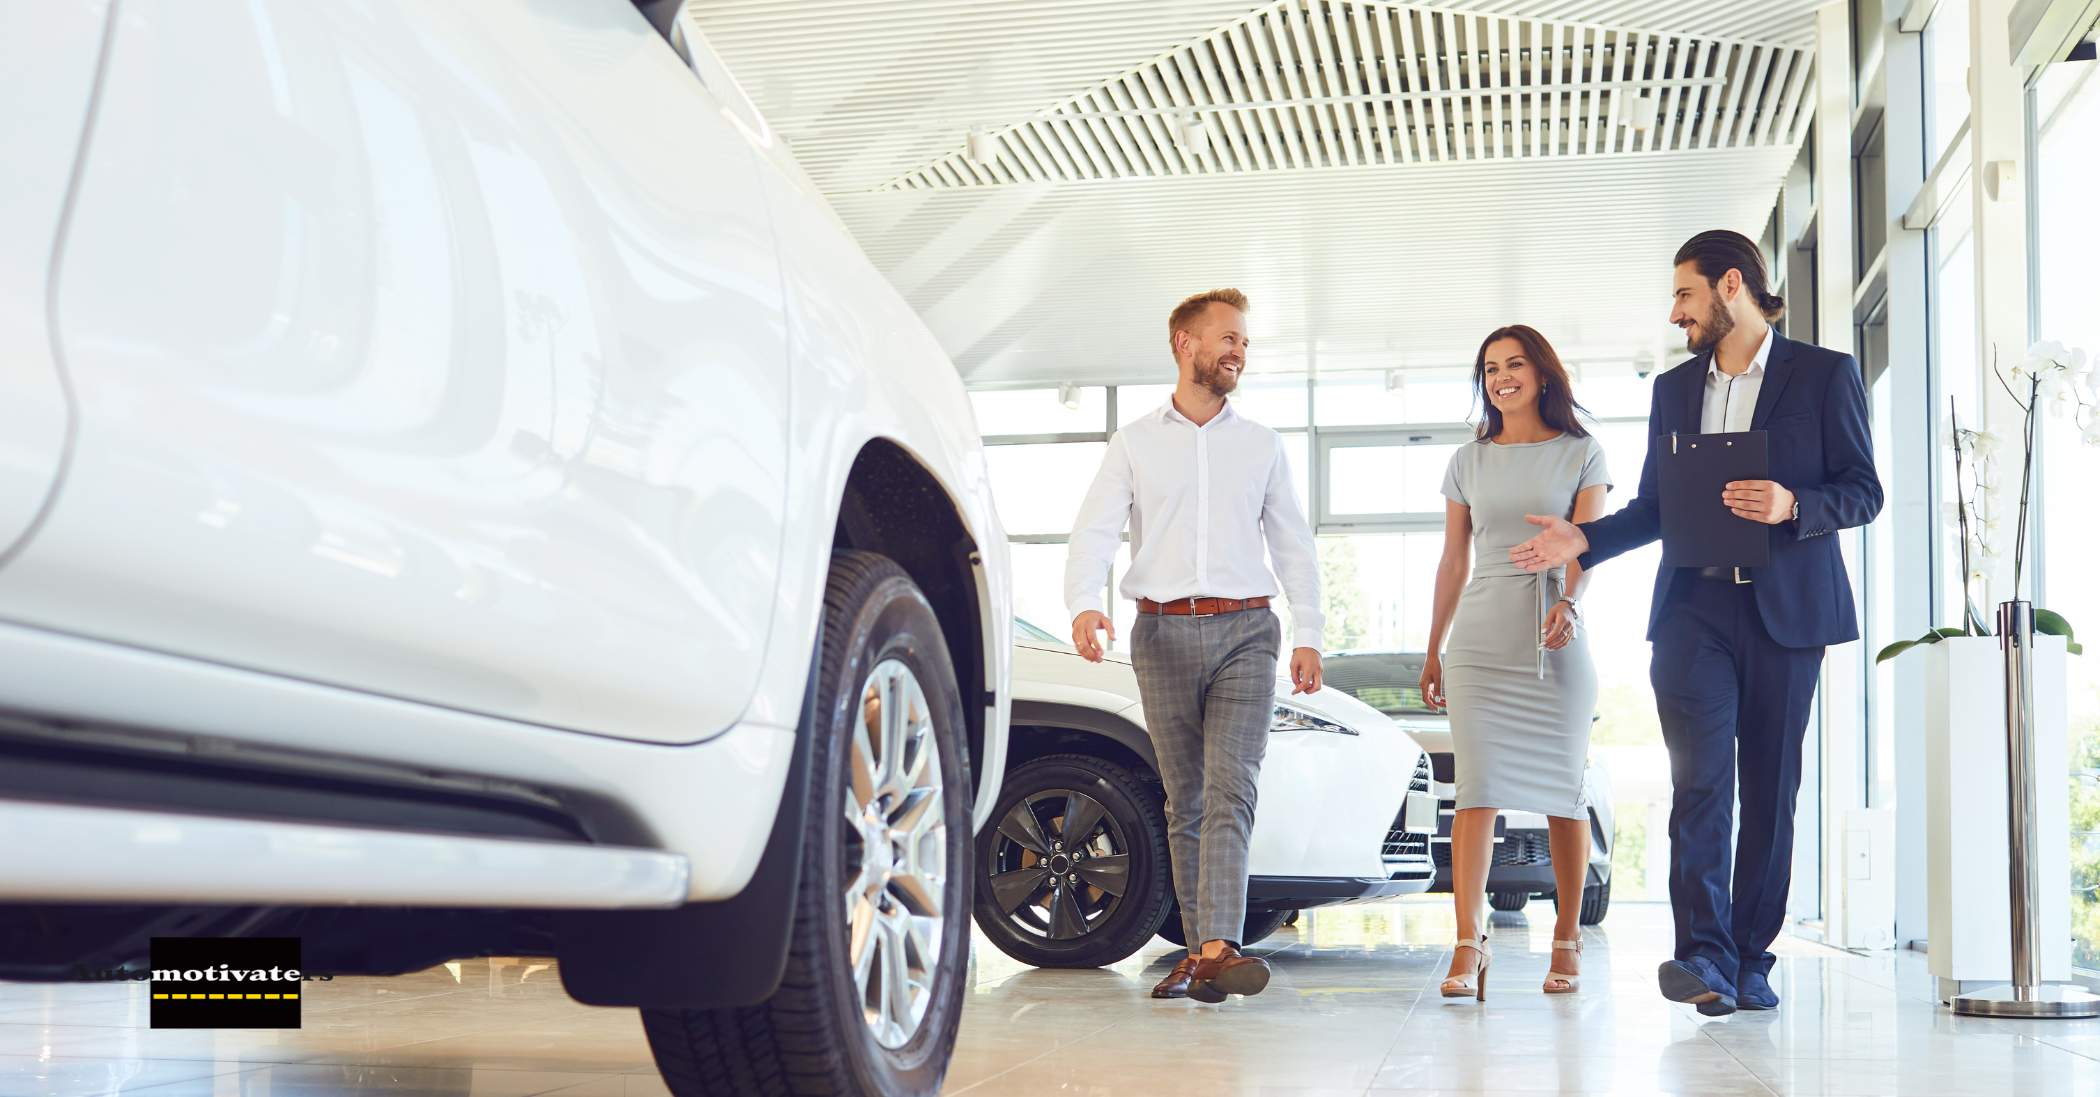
x: 1068, y: 395
x: 981, y: 147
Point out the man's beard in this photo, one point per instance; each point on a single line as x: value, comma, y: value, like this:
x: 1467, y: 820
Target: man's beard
x: 1716, y: 328
x: 1213, y: 376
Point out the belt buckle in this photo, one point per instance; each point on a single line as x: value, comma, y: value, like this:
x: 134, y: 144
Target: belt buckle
x: 1192, y: 609
x: 1737, y: 571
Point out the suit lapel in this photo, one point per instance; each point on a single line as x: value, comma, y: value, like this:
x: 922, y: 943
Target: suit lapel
x: 1694, y: 394
x: 1779, y: 369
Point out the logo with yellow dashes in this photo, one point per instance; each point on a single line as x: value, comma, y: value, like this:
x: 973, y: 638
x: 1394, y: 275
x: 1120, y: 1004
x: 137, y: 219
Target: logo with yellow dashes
x: 226, y: 982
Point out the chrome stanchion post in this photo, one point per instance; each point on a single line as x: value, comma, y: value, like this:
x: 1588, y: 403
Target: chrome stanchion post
x: 2027, y: 996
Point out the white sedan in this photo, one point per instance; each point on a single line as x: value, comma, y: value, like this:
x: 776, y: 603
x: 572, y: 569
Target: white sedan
x: 1074, y: 872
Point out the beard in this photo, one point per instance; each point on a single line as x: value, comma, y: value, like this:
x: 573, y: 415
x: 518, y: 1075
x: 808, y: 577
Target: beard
x: 1716, y: 327
x: 1213, y: 376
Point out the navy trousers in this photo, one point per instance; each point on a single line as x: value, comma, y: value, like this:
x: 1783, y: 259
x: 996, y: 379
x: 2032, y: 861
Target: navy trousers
x: 1734, y: 707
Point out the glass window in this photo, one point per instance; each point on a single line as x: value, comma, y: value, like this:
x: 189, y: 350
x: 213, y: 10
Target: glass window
x: 1381, y: 397
x: 1039, y: 587
x: 1614, y: 389
x: 1038, y: 488
x: 1387, y: 479
x: 1039, y: 411
x: 1947, y: 70
x: 2067, y: 162
x: 1954, y: 350
x: 1134, y: 402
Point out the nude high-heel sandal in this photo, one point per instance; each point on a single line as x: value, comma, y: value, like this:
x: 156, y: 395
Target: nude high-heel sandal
x: 1474, y: 986
x: 1569, y: 983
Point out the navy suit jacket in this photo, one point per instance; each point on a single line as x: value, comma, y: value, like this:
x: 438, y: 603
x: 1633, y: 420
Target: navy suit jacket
x: 1813, y: 405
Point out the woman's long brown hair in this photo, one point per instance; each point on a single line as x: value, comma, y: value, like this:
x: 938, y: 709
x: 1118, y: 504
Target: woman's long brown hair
x: 1557, y: 406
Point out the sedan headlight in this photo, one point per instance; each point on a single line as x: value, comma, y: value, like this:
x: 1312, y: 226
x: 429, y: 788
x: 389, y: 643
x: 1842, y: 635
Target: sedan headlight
x: 1293, y: 718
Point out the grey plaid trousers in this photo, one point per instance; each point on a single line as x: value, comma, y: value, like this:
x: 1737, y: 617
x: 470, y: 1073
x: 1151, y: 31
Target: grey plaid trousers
x: 1209, y: 689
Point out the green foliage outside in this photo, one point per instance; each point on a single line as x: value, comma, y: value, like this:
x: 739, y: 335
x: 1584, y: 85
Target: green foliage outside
x: 1629, y: 849
x: 2085, y: 832
x: 1626, y: 718
x: 1346, y: 627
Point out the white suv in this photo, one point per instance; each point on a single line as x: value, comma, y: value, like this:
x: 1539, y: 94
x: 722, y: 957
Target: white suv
x: 1074, y: 873
x: 461, y: 492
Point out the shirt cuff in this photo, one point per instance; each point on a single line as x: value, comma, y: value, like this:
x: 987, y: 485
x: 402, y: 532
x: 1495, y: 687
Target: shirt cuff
x: 1306, y: 638
x: 1090, y: 602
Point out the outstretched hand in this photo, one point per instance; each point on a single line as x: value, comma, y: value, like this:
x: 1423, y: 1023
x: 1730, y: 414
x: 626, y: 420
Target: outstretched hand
x: 1558, y: 542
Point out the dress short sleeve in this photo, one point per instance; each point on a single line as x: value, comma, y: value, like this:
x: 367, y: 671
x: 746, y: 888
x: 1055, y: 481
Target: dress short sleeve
x: 1593, y: 470
x: 1454, y: 478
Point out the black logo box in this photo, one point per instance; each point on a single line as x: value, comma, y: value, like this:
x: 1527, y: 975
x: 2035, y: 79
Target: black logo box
x: 225, y: 982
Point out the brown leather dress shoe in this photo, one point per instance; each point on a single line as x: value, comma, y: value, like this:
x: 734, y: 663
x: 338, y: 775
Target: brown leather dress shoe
x: 1231, y: 973
x: 1176, y: 984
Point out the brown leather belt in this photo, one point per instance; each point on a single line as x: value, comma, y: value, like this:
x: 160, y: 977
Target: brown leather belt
x: 1200, y: 607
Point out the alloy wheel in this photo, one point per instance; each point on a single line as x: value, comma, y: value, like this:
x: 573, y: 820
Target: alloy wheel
x: 1060, y: 866
x: 896, y: 853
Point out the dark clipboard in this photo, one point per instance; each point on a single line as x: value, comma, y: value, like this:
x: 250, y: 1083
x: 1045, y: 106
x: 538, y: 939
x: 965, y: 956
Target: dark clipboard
x: 1698, y: 530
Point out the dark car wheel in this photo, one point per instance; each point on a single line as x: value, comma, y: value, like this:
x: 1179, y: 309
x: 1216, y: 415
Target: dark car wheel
x: 1596, y: 901
x: 873, y: 990
x: 1073, y: 871
x: 1258, y: 926
x: 1508, y: 900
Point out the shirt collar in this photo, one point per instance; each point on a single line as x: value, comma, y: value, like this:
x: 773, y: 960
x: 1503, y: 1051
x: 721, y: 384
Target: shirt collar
x: 1168, y: 413
x: 1757, y: 361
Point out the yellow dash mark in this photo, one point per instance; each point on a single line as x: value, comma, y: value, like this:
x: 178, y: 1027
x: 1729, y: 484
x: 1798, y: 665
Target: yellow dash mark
x: 289, y: 996
x: 160, y: 996
x: 215, y: 997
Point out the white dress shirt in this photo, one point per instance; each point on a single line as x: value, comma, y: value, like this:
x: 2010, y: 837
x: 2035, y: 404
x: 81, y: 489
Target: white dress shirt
x: 1730, y: 400
x: 1200, y: 502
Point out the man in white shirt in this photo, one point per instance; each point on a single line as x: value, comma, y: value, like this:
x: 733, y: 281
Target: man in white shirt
x: 1202, y: 490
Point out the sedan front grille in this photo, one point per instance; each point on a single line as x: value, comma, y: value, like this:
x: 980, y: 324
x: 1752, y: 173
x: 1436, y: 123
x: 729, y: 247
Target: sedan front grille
x: 1407, y: 854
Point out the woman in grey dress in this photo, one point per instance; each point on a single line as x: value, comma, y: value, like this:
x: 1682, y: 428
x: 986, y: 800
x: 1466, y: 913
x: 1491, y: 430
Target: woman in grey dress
x: 1516, y: 674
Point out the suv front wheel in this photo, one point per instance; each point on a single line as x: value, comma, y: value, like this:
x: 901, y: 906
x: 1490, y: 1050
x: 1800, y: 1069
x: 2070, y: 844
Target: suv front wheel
x: 873, y: 990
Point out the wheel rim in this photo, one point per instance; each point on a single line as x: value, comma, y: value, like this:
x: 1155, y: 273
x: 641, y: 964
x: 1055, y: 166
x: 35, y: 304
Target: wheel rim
x: 896, y: 854
x: 1060, y: 865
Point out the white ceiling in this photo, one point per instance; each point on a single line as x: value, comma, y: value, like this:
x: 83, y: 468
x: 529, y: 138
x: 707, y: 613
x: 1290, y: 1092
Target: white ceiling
x: 1365, y: 239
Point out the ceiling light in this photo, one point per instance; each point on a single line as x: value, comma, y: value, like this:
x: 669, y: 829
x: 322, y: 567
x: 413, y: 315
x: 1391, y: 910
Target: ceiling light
x: 981, y: 147
x: 1068, y: 395
x: 1191, y: 136
x: 1395, y: 380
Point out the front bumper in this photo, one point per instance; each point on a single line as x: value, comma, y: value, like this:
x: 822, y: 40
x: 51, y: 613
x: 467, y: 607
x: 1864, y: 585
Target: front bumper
x: 1302, y: 892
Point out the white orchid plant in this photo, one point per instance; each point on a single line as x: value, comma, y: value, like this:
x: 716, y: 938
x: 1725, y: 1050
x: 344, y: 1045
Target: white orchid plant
x: 2054, y: 376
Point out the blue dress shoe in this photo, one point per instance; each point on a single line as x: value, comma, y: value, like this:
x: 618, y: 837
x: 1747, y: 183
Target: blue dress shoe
x: 1754, y: 990
x: 1697, y: 982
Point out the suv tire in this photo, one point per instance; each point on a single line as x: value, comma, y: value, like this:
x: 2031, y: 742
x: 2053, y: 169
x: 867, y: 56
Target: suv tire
x: 1071, y: 918
x: 1508, y: 900
x: 884, y: 664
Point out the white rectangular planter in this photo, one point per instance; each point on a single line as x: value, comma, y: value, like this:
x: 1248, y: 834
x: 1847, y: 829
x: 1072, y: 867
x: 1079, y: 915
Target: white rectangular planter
x: 1965, y: 779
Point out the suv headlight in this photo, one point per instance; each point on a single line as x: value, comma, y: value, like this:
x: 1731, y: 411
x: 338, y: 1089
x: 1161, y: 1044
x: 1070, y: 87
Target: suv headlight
x: 1293, y: 718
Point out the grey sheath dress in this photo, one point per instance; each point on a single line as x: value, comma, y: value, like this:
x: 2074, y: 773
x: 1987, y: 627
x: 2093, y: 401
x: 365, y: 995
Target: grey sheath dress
x: 1520, y: 717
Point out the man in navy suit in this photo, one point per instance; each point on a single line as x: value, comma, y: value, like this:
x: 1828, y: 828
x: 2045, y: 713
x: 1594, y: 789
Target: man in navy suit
x: 1738, y: 650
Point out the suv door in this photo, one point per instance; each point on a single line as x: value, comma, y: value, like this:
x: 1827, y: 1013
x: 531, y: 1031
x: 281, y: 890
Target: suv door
x: 48, y: 58
x: 434, y: 350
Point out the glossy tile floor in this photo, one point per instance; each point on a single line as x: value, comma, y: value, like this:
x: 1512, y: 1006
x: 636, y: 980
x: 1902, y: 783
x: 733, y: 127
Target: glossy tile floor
x: 1353, y: 1010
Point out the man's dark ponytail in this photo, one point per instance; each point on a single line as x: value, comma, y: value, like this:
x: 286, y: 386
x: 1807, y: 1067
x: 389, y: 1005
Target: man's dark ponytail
x: 1718, y: 251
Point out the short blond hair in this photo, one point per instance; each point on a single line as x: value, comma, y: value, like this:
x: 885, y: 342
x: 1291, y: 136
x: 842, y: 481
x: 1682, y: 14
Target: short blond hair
x: 1186, y: 312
